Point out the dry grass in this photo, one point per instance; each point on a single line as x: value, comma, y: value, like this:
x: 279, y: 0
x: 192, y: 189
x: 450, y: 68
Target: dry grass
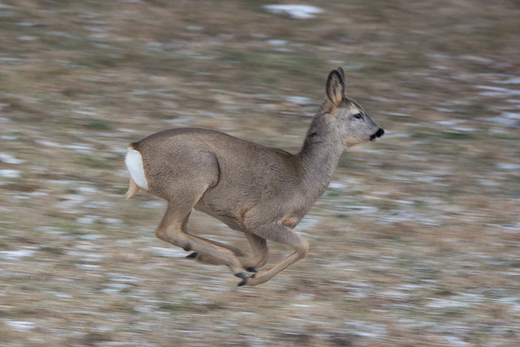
x: 416, y: 243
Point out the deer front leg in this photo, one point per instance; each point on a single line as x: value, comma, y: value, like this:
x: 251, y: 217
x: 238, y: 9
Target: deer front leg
x: 281, y: 234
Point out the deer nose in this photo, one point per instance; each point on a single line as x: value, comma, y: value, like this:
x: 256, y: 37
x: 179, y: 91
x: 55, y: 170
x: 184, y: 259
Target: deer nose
x: 377, y: 134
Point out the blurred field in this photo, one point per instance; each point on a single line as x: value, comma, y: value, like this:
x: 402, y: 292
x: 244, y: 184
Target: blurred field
x: 415, y: 243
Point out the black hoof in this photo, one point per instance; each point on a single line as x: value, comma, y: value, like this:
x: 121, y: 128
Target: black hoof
x: 192, y: 255
x: 252, y: 269
x: 242, y: 276
x: 243, y: 283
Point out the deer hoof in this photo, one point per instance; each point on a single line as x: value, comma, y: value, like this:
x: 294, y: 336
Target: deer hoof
x: 250, y: 281
x: 251, y: 269
x: 242, y: 276
x: 192, y: 255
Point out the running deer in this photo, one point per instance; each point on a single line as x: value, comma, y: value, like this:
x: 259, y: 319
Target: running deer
x: 261, y: 191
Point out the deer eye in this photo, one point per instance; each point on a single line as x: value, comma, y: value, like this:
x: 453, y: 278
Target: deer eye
x: 358, y: 116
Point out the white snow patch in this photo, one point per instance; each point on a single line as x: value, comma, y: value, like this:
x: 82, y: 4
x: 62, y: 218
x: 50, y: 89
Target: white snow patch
x: 168, y: 252
x: 20, y: 325
x: 87, y: 219
x: 455, y: 341
x: 299, y: 100
x: 294, y: 11
x: 512, y: 80
x: 48, y: 143
x: 277, y: 42
x: 508, y: 166
x: 9, y: 173
x: 443, y: 303
x: 9, y: 159
x: 510, y: 115
x: 16, y: 255
x: 27, y: 38
x: 336, y: 185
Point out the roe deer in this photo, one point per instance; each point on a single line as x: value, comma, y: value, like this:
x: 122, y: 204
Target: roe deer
x: 261, y: 191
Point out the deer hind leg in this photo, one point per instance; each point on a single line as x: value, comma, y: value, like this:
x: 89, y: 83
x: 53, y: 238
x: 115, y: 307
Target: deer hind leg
x: 208, y: 259
x: 172, y: 229
x: 250, y: 263
x: 281, y: 234
x: 260, y: 252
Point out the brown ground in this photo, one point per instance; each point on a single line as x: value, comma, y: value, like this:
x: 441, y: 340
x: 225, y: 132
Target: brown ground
x: 416, y: 242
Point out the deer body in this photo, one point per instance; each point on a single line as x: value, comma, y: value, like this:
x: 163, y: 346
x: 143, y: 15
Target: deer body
x: 261, y: 191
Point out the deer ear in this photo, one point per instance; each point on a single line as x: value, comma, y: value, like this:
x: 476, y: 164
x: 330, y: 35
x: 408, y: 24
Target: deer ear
x: 335, y: 87
x: 341, y: 73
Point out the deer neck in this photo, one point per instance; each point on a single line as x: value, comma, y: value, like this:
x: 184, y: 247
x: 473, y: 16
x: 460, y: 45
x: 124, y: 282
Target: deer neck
x: 319, y: 156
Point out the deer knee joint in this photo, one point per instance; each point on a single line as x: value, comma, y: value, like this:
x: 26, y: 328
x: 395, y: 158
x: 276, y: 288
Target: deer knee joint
x: 303, y: 249
x: 161, y: 234
x: 263, y: 260
x: 175, y: 239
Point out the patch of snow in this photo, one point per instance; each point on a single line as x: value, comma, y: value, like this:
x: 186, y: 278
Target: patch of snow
x: 508, y: 166
x: 497, y: 91
x: 503, y: 120
x: 463, y: 129
x: 444, y: 303
x: 112, y: 221
x: 512, y: 80
x: 366, y: 329
x: 179, y: 121
x: 168, y: 252
x: 91, y: 237
x: 88, y: 190
x: 83, y: 112
x: 336, y: 185
x: 299, y: 100
x: 116, y: 287
x: 20, y: 325
x: 399, y: 114
x: 80, y: 148
x: 69, y: 201
x: 510, y: 115
x: 16, y: 255
x: 9, y: 173
x: 9, y: 159
x: 87, y: 220
x: 277, y: 42
x: 452, y: 340
x: 48, y: 143
x: 27, y: 38
x: 294, y: 11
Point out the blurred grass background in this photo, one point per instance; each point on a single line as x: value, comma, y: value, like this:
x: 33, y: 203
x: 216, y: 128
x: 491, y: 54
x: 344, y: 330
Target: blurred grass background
x: 415, y: 243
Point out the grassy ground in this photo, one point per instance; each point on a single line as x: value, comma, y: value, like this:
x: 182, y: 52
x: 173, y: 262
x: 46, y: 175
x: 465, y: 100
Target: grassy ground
x: 416, y: 242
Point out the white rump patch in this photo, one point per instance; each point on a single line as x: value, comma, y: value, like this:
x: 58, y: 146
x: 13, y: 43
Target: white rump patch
x: 134, y: 163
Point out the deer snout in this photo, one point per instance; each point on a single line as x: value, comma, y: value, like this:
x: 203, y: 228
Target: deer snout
x: 377, y: 134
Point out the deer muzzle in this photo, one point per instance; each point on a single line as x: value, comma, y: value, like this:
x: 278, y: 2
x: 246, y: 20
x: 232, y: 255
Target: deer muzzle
x: 377, y: 134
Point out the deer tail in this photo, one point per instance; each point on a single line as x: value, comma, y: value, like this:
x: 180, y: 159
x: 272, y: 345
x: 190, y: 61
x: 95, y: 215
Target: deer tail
x: 134, y: 188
